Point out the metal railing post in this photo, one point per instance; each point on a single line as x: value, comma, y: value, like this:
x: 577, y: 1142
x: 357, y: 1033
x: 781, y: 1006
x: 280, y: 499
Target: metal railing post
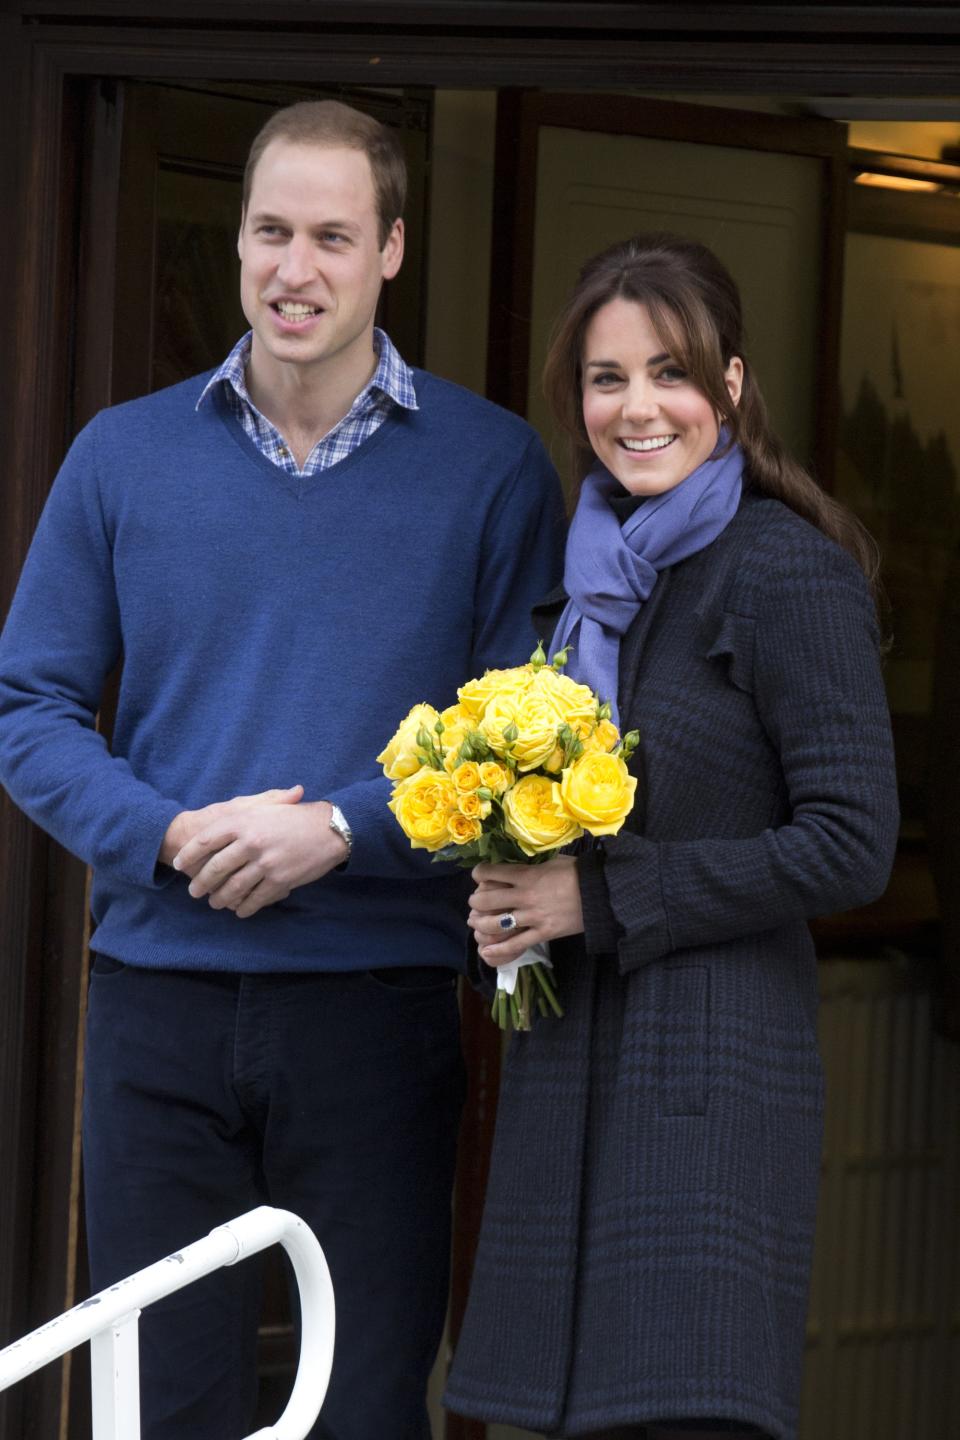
x: 115, y: 1380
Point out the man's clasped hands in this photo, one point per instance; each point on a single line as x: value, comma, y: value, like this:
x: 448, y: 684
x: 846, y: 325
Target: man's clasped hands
x: 249, y: 852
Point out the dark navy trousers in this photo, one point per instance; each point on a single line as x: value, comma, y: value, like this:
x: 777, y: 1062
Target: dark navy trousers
x: 335, y: 1096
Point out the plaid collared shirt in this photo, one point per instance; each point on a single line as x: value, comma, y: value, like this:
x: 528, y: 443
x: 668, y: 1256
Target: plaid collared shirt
x: 391, y: 385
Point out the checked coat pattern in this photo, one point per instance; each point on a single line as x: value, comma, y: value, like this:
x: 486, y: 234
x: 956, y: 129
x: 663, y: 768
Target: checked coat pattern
x: 646, y: 1243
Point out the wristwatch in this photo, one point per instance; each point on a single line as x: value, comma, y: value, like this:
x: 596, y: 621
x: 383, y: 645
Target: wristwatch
x: 338, y: 822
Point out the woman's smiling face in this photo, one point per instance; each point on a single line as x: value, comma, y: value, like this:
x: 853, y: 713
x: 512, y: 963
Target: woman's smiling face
x: 645, y: 419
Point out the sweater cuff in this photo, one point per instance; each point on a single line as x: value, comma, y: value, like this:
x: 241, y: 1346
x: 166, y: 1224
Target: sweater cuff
x: 140, y: 863
x: 601, y: 931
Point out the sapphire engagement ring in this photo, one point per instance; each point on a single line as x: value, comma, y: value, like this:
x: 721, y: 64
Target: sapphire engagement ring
x: 508, y: 922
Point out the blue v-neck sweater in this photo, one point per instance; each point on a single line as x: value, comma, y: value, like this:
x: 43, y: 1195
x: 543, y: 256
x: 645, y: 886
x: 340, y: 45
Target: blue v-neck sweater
x: 274, y: 631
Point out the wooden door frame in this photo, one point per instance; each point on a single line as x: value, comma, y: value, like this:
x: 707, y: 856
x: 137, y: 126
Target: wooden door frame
x: 49, y: 50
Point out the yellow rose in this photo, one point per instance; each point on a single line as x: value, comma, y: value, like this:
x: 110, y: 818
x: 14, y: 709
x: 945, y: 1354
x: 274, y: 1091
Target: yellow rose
x: 598, y: 790
x: 454, y: 715
x: 466, y: 776
x: 471, y: 805
x: 475, y: 695
x: 537, y: 721
x: 424, y: 804
x: 401, y: 757
x: 573, y: 702
x: 497, y: 717
x: 536, y: 724
x: 532, y: 819
x: 464, y: 828
x: 495, y: 777
x: 554, y: 761
x: 602, y: 738
x: 457, y: 725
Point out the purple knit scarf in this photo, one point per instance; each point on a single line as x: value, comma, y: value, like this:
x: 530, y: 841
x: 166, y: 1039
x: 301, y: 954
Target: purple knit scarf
x: 610, y: 570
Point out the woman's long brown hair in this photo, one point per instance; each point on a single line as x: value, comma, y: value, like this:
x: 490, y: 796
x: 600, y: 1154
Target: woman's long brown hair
x: 694, y: 307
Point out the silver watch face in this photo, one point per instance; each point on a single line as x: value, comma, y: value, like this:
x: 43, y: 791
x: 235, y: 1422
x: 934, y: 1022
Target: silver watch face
x: 338, y: 822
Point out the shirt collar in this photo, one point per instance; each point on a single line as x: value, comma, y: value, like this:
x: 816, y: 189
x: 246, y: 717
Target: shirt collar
x: 393, y: 377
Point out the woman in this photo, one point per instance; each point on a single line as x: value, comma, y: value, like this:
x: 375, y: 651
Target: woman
x: 644, y: 1259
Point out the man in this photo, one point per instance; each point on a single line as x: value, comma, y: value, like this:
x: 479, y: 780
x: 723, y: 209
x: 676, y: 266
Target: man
x: 289, y: 553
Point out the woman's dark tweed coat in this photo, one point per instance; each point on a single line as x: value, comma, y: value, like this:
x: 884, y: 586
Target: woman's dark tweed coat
x: 645, y: 1249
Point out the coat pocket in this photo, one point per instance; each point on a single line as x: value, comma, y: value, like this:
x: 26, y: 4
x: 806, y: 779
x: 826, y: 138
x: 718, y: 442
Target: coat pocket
x: 684, y: 1040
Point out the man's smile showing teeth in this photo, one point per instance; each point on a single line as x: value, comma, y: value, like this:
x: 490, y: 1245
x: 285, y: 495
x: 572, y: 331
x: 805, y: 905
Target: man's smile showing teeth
x: 656, y: 442
x: 291, y: 310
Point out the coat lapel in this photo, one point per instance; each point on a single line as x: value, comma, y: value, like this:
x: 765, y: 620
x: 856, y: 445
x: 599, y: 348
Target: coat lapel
x: 633, y: 645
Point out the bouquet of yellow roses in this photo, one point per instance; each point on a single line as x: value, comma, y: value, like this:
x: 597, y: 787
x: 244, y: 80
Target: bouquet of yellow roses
x: 526, y: 762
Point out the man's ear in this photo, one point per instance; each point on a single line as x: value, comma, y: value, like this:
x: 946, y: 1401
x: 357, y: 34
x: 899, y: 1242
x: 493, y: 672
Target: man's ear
x: 392, y: 253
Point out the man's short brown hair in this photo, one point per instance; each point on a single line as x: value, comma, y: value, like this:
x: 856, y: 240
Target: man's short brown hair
x: 330, y: 123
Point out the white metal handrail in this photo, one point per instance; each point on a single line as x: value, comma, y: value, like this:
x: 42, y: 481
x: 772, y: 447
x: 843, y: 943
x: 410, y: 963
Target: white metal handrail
x: 109, y: 1322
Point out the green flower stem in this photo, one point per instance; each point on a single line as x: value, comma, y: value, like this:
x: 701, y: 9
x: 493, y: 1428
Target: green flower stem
x: 548, y: 991
x: 523, y: 986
